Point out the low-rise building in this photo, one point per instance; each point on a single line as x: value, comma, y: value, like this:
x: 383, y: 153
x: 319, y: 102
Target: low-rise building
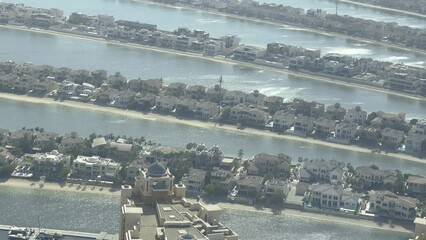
x: 414, y: 143
x: 49, y: 164
x: 303, y: 125
x: 71, y: 142
x: 416, y: 185
x: 194, y: 181
x: 165, y: 103
x: 248, y: 115
x: 206, y: 110
x: 345, y: 131
x: 94, y: 167
x: 208, y: 158
x: 224, y: 178
x: 277, y: 187
x: 186, y: 106
x: 249, y: 185
x: 320, y: 170
x: 310, y: 109
x: 385, y: 203
x: 392, y: 138
x: 391, y: 119
x: 355, y: 115
x: 324, y: 127
x: 283, y: 120
x: 335, y: 112
x: 375, y: 177
x: 277, y: 165
x: 333, y: 197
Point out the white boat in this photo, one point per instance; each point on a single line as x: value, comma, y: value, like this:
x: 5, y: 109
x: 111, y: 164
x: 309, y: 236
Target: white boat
x: 18, y: 233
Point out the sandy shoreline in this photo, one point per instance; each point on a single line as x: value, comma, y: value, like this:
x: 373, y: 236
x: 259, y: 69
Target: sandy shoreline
x: 414, y: 14
x: 219, y: 59
x: 286, y: 25
x: 320, y: 217
x: 199, y: 124
x: 50, y: 186
x: 53, y: 186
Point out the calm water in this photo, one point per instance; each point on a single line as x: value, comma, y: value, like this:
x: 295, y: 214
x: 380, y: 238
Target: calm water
x: 251, y: 33
x: 52, y: 118
x: 95, y: 213
x: 76, y: 53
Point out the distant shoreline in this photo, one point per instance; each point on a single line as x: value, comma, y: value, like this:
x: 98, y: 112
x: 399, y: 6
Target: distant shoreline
x: 287, y: 25
x: 220, y: 59
x: 200, y: 124
x: 414, y: 14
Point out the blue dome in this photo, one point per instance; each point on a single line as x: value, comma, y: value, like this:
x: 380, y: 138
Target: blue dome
x: 157, y: 170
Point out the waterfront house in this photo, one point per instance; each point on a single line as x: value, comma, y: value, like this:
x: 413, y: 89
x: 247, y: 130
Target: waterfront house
x: 391, y: 119
x: 303, y: 125
x: 249, y: 185
x: 392, y: 138
x: 15, y: 138
x: 205, y: 110
x: 283, y: 120
x: 134, y: 168
x: 6, y: 156
x: 368, y: 135
x: 121, y: 149
x: 402, y: 81
x: 414, y: 143
x: 163, y: 154
x: 152, y: 86
x: 234, y: 97
x: 335, y: 112
x: 224, y: 178
x: 277, y: 165
x: 248, y: 115
x: 356, y: 115
x: 194, y: 181
x: 334, y: 67
x: 419, y: 128
x: 145, y: 101
x: 213, y: 47
x: 165, y: 103
x: 70, y: 142
x: 324, y: 171
x: 323, y: 126
x: 247, y: 53
x: 117, y: 81
x: 277, y: 187
x: 388, y: 204
x: 7, y: 81
x: 123, y: 99
x: 305, y: 108
x: 98, y: 142
x: 186, y: 107
x: 374, y: 177
x: 94, y: 167
x: 345, y: 132
x: 208, y: 158
x: 272, y: 102
x: 49, y: 164
x: 215, y: 93
x: 255, y: 98
x: 175, y: 89
x: 335, y: 197
x: 44, y: 141
x: 195, y: 92
x: 416, y: 185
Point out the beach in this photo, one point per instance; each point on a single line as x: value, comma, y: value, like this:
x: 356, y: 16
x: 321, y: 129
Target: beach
x: 196, y: 123
x: 219, y: 59
x: 54, y: 186
x: 285, y: 25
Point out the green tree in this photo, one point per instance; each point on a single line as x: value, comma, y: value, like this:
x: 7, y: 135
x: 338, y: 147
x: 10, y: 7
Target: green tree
x: 240, y: 153
x: 224, y: 116
x: 213, y: 189
x: 277, y: 198
x: 7, y: 170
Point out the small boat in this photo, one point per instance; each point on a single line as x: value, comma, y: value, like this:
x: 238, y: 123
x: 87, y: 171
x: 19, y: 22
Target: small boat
x: 17, y: 233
